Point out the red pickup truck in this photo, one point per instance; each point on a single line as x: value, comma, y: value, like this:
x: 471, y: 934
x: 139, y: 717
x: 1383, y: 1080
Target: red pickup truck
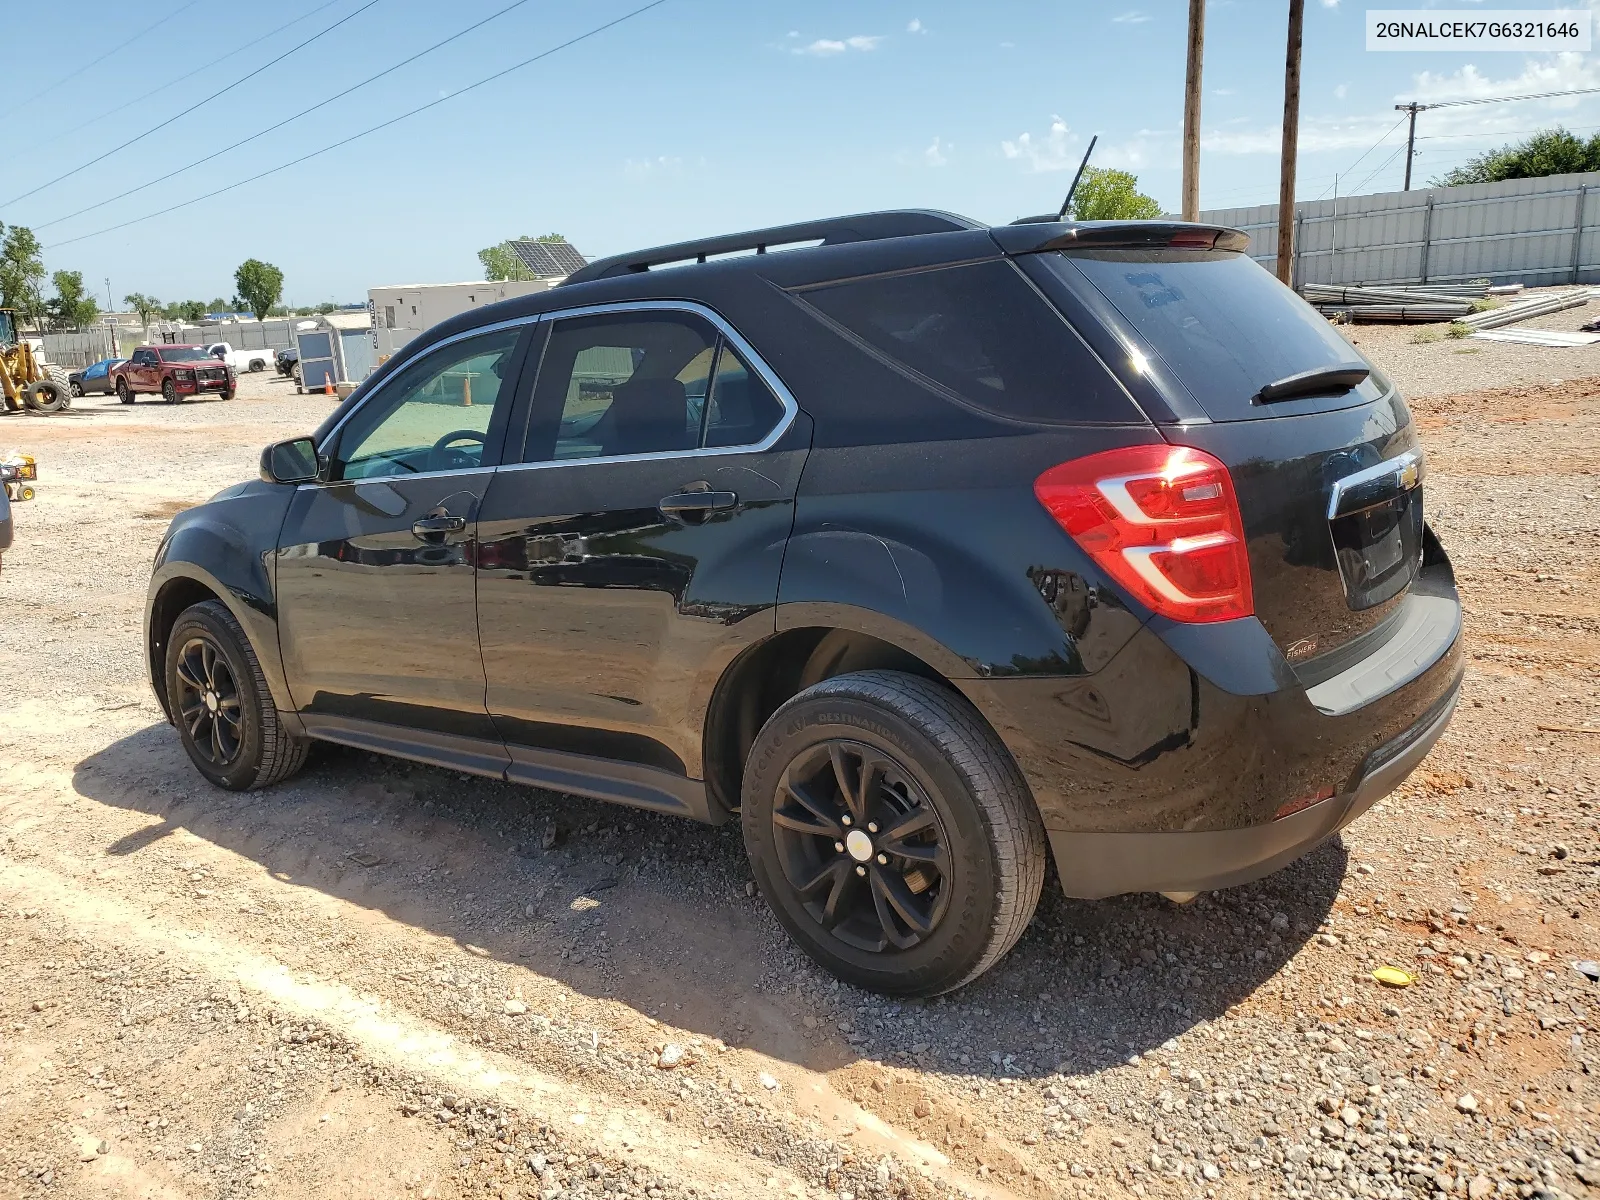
x: 176, y: 372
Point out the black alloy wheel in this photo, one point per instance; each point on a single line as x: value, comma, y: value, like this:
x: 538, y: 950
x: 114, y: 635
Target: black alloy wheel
x: 217, y: 696
x: 207, y: 701
x: 169, y: 391
x: 891, y: 833
x: 862, y: 846
x: 124, y: 392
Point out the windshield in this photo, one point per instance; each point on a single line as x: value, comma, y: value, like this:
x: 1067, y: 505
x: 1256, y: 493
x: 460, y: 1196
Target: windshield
x: 185, y: 354
x: 1223, y: 324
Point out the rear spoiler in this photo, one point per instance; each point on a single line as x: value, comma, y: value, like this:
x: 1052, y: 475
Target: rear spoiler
x: 1033, y: 236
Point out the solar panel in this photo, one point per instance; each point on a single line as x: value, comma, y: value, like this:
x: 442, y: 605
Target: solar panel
x: 549, y: 259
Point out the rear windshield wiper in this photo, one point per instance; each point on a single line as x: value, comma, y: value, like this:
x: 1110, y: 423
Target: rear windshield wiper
x: 1322, y: 381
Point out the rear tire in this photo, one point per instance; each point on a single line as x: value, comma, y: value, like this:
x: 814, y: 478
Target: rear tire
x: 124, y: 392
x: 47, y: 396
x: 220, y: 704
x: 257, y: 364
x: 943, y: 853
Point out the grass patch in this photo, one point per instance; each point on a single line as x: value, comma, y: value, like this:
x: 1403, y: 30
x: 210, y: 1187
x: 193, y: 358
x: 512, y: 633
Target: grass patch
x: 1458, y: 330
x: 1423, y: 336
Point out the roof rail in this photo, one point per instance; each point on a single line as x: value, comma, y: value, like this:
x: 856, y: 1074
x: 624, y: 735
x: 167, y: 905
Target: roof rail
x: 834, y: 231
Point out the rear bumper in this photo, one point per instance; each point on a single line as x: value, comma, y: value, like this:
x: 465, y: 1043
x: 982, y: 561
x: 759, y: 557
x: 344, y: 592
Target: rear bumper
x: 1095, y: 865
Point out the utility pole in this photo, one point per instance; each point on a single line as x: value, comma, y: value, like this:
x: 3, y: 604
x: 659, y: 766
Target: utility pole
x: 109, y: 306
x: 1191, y: 111
x: 1291, y: 142
x: 1411, y: 136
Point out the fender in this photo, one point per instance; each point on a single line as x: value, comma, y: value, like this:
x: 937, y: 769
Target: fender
x: 952, y: 604
x: 225, y: 547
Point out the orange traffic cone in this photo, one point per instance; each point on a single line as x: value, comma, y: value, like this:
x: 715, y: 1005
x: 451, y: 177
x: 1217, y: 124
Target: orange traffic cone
x: 327, y: 384
x: 466, y: 391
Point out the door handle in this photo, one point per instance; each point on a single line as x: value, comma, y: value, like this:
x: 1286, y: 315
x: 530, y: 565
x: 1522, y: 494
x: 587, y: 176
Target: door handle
x: 434, y: 529
x: 694, y: 507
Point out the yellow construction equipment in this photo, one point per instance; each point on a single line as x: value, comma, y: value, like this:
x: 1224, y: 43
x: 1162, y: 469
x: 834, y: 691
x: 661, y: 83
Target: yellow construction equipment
x: 26, y: 380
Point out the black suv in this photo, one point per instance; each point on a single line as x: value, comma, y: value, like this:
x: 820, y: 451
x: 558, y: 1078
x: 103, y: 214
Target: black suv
x: 926, y: 548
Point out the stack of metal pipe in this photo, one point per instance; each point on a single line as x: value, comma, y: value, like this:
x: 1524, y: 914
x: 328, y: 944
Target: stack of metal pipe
x: 1385, y: 303
x: 1536, y: 306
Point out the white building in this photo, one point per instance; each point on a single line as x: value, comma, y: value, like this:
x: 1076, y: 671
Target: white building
x: 402, y: 311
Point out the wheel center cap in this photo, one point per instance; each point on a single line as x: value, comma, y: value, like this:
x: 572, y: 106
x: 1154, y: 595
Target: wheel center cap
x: 859, y: 845
x: 211, y: 701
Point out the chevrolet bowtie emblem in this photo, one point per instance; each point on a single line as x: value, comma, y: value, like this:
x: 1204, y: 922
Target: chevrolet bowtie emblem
x: 1410, y: 474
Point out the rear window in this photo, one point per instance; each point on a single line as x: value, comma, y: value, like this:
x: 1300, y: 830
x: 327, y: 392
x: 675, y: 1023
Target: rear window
x: 981, y: 333
x: 1223, y: 324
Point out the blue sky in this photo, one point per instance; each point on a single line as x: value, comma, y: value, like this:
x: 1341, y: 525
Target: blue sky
x: 696, y: 117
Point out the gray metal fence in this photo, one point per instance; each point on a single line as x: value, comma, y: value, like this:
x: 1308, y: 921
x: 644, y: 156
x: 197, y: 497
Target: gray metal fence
x: 1532, y: 231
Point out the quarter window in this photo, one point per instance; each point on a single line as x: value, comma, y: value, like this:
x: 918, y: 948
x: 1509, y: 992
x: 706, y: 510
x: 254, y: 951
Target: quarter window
x: 435, y: 416
x: 644, y: 383
x: 981, y: 333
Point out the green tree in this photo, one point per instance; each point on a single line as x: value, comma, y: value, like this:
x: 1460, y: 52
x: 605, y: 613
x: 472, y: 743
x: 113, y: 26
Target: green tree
x: 500, y: 262
x: 192, y: 311
x: 279, y: 310
x: 1548, y: 152
x: 21, y: 273
x: 261, y: 285
x: 1105, y: 194
x: 145, y: 306
x: 326, y: 307
x: 218, y: 305
x: 71, y: 305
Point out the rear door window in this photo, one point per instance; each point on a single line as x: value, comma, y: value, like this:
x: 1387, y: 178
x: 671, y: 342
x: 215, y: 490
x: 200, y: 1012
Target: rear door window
x: 1223, y: 324
x: 982, y: 335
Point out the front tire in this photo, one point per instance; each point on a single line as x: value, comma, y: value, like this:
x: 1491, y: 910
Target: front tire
x: 169, y: 391
x: 218, y: 699
x: 891, y: 833
x: 46, y: 395
x: 77, y: 389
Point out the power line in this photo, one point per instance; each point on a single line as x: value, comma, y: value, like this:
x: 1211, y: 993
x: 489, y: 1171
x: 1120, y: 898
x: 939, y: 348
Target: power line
x: 198, y: 104
x: 527, y: 62
x: 1364, y: 153
x: 68, y: 78
x: 1379, y: 169
x: 303, y: 112
x: 1508, y: 99
x: 1504, y: 133
x: 190, y: 75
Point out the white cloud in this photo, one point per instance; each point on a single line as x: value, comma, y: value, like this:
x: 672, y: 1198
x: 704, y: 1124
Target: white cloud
x: 915, y: 26
x: 1053, y: 152
x: 824, y: 47
x: 1132, y: 17
x: 662, y: 164
x: 935, y: 155
x: 1340, y: 92
x: 1008, y: 45
x: 1330, y: 3
x: 1223, y: 92
x: 794, y: 33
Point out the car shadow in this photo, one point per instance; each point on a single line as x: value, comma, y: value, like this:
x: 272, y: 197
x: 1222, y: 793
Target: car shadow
x: 659, y: 913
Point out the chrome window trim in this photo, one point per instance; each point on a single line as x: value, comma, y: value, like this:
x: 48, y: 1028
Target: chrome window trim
x: 756, y: 363
x: 333, y: 434
x: 1401, y: 466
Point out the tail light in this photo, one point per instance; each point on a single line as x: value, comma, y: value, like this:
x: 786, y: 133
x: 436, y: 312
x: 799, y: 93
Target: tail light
x: 1163, y: 522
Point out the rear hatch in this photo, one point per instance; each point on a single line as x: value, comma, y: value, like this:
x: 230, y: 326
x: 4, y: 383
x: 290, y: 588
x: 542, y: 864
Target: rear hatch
x: 1320, y: 445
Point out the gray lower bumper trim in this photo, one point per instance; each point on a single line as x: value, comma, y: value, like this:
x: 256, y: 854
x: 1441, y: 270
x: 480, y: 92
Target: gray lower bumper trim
x: 1096, y: 865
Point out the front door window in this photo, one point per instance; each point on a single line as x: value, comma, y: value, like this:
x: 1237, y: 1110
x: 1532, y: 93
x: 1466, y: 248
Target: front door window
x: 435, y: 417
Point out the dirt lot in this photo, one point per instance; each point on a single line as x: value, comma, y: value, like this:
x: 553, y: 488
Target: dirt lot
x: 382, y: 980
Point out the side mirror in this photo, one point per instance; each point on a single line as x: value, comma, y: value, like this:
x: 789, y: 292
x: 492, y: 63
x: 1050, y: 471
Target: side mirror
x: 293, y: 461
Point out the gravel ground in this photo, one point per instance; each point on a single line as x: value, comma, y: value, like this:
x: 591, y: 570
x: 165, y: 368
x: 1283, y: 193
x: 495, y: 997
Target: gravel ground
x: 388, y: 980
x: 1428, y: 363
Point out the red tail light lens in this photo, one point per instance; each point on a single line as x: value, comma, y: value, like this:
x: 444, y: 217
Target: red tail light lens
x: 1163, y: 522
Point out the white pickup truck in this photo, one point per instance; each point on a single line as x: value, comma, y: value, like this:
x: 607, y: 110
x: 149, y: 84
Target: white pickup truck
x: 240, y: 360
